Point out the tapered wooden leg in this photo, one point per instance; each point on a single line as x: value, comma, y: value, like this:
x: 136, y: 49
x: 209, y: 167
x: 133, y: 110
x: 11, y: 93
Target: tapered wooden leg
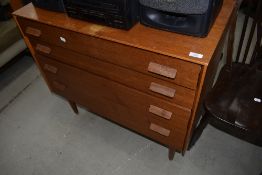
x: 198, y: 131
x: 73, y: 106
x: 171, y: 153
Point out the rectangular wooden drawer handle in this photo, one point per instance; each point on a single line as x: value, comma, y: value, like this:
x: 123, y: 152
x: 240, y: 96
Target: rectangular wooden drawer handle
x: 50, y: 68
x: 169, y: 92
x: 33, y: 31
x: 159, y: 129
x: 59, y: 86
x: 160, y: 112
x: 43, y: 49
x: 162, y: 70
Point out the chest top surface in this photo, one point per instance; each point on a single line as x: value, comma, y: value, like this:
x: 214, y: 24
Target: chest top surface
x: 162, y: 42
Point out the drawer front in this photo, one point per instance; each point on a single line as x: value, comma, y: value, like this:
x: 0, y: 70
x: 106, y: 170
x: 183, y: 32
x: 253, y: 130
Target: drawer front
x: 170, y: 69
x: 151, y: 85
x: 136, y: 110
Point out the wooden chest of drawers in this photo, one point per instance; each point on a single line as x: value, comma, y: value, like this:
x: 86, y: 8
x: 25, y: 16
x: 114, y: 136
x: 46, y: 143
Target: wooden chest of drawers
x: 142, y: 79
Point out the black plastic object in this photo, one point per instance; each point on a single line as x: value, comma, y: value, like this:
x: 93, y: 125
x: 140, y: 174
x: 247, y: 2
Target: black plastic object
x: 53, y: 5
x: 121, y: 14
x: 184, y: 23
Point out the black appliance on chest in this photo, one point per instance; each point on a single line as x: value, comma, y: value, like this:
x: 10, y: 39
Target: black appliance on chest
x: 191, y: 17
x: 54, y: 5
x: 115, y: 13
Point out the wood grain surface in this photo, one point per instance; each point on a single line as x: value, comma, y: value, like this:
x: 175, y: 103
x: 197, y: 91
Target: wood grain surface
x: 166, y: 43
x: 142, y: 79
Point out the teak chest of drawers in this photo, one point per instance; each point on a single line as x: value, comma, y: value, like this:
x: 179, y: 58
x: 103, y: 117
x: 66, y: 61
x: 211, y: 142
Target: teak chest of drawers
x: 142, y: 79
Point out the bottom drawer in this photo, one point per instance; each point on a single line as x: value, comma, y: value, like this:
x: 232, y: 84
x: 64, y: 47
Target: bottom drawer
x: 145, y: 114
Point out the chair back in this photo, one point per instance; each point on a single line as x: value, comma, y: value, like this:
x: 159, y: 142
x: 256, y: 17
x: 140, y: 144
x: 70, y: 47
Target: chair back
x: 251, y: 31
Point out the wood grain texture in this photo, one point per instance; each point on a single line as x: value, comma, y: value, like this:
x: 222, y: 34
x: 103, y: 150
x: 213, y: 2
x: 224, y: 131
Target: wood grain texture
x: 50, y: 68
x: 162, y: 42
x: 33, y: 31
x: 142, y: 79
x: 160, y: 112
x: 162, y: 70
x: 159, y: 129
x: 43, y: 48
x: 183, y: 97
x: 57, y: 85
x: 123, y: 105
x: 131, y: 58
x: 158, y: 88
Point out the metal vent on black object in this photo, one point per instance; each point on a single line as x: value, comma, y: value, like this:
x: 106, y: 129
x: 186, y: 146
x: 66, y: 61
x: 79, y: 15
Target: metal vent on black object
x: 115, y: 13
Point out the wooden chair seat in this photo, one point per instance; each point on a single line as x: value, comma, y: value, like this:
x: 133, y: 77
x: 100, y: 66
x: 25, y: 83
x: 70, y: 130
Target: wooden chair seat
x: 235, y: 102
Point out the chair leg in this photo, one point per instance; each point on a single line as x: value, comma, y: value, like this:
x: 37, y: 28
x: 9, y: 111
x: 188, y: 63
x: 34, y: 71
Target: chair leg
x: 73, y: 106
x: 198, y: 131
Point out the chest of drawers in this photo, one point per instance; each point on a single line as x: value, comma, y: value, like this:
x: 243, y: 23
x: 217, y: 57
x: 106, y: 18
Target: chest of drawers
x: 142, y: 79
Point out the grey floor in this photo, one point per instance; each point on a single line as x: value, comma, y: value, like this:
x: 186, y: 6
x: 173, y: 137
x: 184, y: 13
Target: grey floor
x: 39, y: 134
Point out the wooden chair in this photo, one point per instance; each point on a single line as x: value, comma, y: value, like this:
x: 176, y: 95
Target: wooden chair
x: 234, y: 104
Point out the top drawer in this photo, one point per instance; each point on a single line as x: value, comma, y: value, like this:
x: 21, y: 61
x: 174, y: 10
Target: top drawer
x: 170, y: 69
